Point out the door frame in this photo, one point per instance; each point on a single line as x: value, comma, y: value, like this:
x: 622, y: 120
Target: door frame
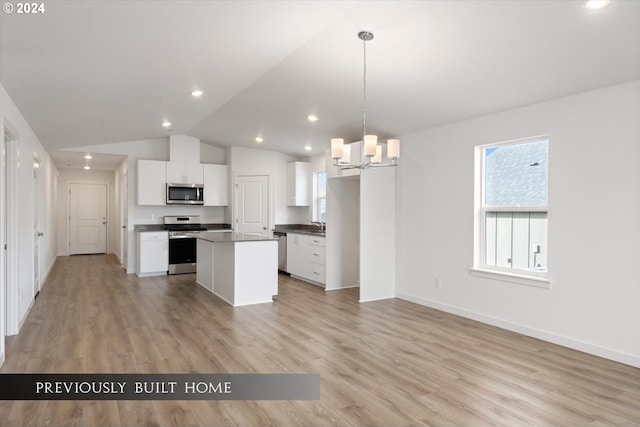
x: 37, y: 249
x: 68, y: 217
x: 124, y: 220
x: 234, y: 202
x: 9, y: 279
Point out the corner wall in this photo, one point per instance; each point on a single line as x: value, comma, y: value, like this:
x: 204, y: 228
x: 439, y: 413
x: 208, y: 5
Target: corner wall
x: 594, y: 222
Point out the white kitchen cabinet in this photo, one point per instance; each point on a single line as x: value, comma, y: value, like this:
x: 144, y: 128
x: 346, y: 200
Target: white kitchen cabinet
x: 152, y: 182
x: 317, y: 269
x: 153, y: 253
x: 298, y: 184
x: 297, y: 254
x: 306, y: 257
x: 184, y: 173
x: 216, y: 187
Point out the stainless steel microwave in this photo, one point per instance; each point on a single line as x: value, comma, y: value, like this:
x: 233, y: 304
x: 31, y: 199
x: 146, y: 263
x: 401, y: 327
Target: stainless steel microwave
x: 185, y: 194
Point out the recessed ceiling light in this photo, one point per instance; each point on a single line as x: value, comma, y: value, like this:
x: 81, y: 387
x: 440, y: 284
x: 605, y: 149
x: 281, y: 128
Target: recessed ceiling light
x: 88, y: 156
x: 312, y: 118
x: 87, y: 167
x: 308, y: 147
x: 166, y: 123
x: 596, y: 4
x: 259, y: 139
x: 197, y: 93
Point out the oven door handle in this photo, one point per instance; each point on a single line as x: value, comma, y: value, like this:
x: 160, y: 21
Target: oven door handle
x: 181, y: 237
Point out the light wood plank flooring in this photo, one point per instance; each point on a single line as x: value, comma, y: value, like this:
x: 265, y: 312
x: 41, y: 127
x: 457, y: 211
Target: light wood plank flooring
x: 386, y: 363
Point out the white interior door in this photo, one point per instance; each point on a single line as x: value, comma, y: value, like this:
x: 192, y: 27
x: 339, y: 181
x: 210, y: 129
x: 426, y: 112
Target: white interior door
x: 11, y: 297
x: 124, y: 223
x: 36, y: 226
x: 252, y: 201
x: 87, y: 218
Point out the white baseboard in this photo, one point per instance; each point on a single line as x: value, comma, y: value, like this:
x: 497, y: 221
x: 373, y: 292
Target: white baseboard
x: 26, y: 314
x: 44, y: 278
x: 344, y: 287
x: 376, y: 299
x: 596, y: 350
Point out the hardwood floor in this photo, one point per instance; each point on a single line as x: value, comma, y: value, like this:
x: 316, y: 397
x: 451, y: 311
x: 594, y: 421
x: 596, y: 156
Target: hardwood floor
x: 386, y: 363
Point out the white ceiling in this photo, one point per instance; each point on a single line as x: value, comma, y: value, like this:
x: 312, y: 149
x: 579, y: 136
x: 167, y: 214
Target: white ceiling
x: 96, y: 72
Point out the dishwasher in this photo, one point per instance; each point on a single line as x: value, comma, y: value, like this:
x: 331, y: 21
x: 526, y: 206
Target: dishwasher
x: 282, y: 250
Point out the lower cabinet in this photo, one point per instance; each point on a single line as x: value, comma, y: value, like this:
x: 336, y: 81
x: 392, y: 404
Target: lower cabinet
x: 306, y: 257
x: 153, y: 253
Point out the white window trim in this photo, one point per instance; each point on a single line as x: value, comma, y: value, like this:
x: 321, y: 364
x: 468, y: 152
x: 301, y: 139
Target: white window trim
x: 316, y: 198
x: 480, y: 268
x: 540, y: 280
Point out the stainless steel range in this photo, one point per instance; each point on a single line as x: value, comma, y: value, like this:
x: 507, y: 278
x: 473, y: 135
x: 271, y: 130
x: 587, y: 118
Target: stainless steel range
x: 182, y: 246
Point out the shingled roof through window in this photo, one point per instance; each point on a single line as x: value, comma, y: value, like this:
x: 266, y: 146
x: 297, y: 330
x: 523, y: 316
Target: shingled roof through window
x: 516, y: 175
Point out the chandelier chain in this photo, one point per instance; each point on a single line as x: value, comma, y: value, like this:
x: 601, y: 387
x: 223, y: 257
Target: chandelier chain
x: 364, y: 89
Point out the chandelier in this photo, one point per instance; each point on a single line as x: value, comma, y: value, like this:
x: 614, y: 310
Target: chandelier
x: 371, y: 152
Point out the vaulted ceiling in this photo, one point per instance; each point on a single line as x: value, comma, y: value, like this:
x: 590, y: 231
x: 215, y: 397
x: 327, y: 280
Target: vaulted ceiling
x: 95, y: 72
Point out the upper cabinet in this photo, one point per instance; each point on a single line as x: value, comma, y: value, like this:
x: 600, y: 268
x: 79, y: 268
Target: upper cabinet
x: 298, y: 184
x: 154, y: 175
x: 216, y: 187
x: 184, y: 173
x: 151, y: 182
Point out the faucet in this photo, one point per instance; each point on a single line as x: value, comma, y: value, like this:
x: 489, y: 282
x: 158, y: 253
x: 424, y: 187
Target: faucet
x: 319, y: 224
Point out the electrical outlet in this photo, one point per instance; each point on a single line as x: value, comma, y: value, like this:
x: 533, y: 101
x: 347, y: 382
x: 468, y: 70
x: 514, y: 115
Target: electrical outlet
x: 436, y: 282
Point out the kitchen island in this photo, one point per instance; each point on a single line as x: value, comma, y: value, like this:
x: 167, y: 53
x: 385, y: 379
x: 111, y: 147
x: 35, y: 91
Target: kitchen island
x: 240, y: 268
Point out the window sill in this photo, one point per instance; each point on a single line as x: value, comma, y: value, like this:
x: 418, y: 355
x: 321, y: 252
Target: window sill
x: 522, y: 279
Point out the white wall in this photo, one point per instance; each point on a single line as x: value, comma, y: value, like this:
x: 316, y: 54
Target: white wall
x: 20, y: 292
x: 318, y: 163
x: 343, y: 233
x: 594, y: 222
x: 377, y: 234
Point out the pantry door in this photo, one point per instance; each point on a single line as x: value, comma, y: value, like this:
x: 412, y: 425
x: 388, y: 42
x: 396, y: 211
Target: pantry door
x: 252, y: 204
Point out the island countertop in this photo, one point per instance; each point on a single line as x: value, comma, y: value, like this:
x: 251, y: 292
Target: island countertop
x: 217, y: 237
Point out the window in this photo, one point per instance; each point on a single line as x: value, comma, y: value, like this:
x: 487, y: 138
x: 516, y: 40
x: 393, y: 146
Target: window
x: 512, y: 214
x: 320, y: 197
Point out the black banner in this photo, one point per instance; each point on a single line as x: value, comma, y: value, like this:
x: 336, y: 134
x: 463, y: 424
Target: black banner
x: 159, y: 387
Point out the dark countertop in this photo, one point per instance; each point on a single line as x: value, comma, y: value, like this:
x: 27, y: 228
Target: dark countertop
x: 216, y: 237
x: 160, y: 227
x: 299, y: 229
x: 149, y: 227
